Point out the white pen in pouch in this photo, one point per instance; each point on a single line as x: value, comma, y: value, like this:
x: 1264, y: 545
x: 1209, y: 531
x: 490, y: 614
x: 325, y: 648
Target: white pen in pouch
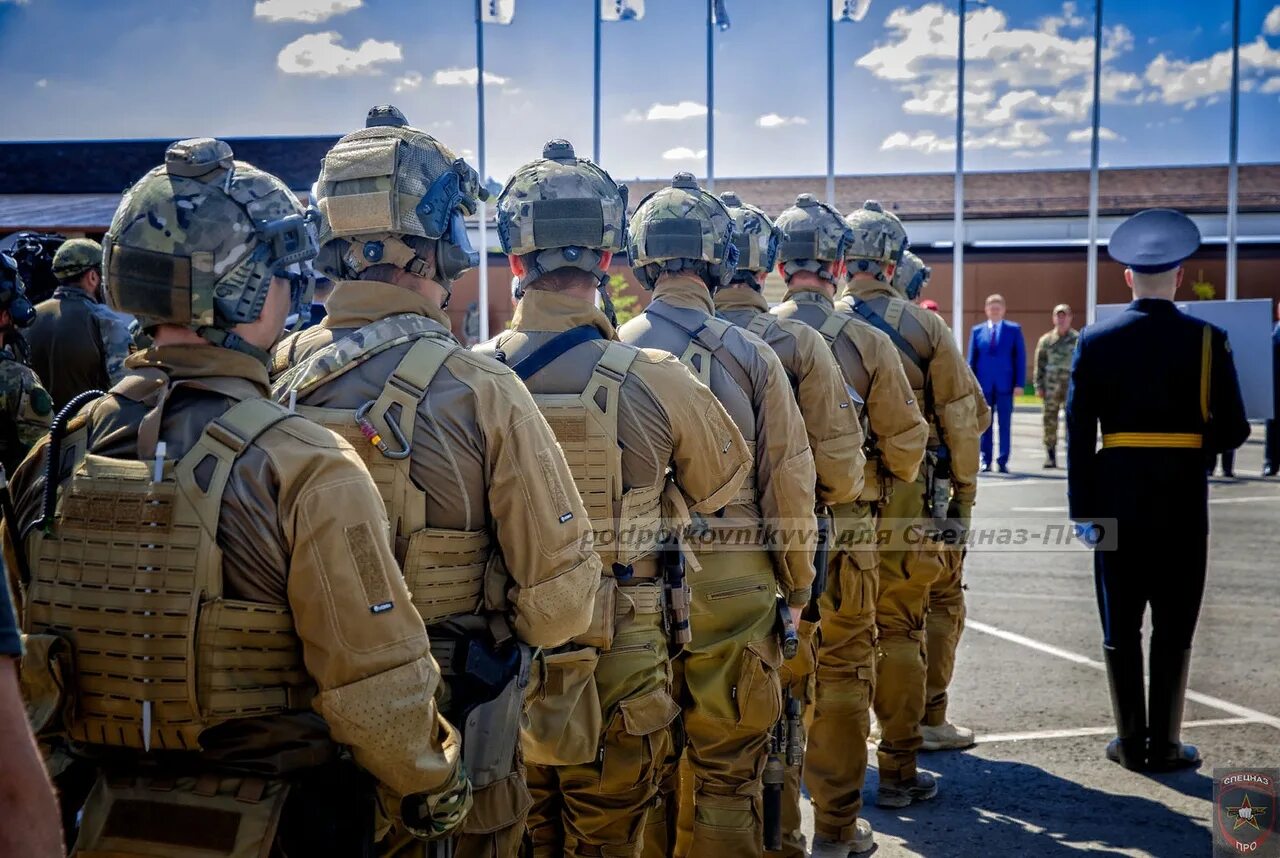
x: 157, y: 472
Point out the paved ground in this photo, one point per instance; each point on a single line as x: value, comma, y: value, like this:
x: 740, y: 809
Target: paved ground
x: 1030, y: 681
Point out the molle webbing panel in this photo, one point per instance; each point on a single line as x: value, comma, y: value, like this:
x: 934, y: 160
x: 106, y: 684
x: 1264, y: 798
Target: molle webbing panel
x: 761, y: 324
x: 131, y: 574
x: 443, y: 569
x: 586, y: 425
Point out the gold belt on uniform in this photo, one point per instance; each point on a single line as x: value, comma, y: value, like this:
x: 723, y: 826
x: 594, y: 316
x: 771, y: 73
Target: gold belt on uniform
x: 1166, y: 440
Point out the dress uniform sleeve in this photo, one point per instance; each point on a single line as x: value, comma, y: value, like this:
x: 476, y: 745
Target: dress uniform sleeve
x: 542, y: 526
x: 900, y: 429
x: 785, y: 476
x: 831, y: 421
x: 362, y: 641
x: 1082, y: 435
x: 1228, y: 425
x: 955, y: 402
x: 710, y: 456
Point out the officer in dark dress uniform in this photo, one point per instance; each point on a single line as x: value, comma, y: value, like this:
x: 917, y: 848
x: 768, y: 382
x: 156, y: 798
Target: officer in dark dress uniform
x: 1163, y: 387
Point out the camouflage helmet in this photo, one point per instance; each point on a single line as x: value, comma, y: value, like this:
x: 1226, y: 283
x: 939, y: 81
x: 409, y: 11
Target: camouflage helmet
x: 682, y: 227
x: 755, y: 236
x: 387, y: 194
x: 563, y: 209
x: 911, y: 275
x: 196, y: 242
x: 811, y: 235
x: 879, y: 239
x: 75, y: 257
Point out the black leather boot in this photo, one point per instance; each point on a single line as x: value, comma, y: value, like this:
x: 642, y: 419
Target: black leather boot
x: 1169, y: 670
x: 1124, y: 675
x: 1050, y: 457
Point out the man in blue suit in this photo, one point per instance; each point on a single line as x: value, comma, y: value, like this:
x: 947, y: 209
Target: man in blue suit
x: 998, y: 357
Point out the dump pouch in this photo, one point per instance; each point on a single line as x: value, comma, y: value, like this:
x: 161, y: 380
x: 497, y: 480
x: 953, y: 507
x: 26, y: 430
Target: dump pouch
x: 48, y: 682
x: 565, y: 721
x: 603, y: 616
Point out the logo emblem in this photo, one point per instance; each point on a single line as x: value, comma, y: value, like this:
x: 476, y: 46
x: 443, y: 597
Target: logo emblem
x: 1245, y: 811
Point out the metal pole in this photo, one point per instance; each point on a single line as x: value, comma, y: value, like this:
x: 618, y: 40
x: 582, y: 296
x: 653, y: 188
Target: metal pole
x: 595, y: 128
x: 1233, y: 155
x: 484, y: 238
x: 831, y: 104
x: 957, y: 246
x: 711, y: 96
x: 1091, y: 280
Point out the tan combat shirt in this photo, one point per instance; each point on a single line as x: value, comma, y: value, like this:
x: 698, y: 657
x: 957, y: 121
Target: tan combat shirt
x: 871, y: 366
x: 292, y: 499
x: 666, y: 418
x: 765, y: 412
x: 948, y: 389
x: 483, y: 454
x: 830, y: 415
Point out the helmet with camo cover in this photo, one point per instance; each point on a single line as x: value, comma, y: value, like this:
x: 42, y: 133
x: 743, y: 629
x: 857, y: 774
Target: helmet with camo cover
x: 390, y: 194
x: 911, y: 275
x: 683, y: 228
x: 879, y: 239
x: 561, y: 211
x: 811, y: 234
x: 756, y: 238
x: 196, y: 241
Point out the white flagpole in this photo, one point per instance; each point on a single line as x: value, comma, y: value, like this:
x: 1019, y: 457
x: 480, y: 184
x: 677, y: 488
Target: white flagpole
x: 711, y: 96
x: 595, y: 102
x: 957, y: 245
x: 831, y: 103
x: 1233, y: 166
x: 484, y: 238
x: 1091, y: 280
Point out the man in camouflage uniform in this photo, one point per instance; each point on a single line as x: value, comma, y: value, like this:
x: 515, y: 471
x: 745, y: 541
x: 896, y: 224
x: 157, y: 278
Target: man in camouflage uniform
x: 812, y: 241
x: 26, y: 408
x: 77, y: 342
x: 831, y: 413
x: 681, y: 246
x: 1052, y: 374
x: 305, y: 702
x: 944, y: 391
x: 625, y: 418
x: 486, y: 522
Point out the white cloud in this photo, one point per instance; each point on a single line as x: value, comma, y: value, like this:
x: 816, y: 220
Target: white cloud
x: 1271, y: 24
x: 926, y: 141
x: 665, y: 112
x: 1272, y: 85
x: 407, y: 81
x: 773, y: 120
x: 684, y: 153
x: 16, y: 2
x: 42, y: 82
x: 1188, y: 82
x: 309, y: 11
x: 1053, y: 24
x: 320, y: 54
x: 1085, y: 135
x: 465, y: 77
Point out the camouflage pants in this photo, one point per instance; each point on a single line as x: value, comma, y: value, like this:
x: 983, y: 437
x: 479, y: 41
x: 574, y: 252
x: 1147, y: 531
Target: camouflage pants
x: 908, y: 568
x: 836, y: 758
x: 600, y: 808
x: 943, y: 628
x: 1055, y: 398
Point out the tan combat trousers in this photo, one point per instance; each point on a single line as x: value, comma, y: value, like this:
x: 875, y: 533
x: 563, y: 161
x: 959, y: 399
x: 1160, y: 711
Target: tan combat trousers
x: 600, y: 809
x: 943, y: 628
x: 728, y: 686
x: 836, y: 758
x: 909, y: 565
x: 1055, y: 399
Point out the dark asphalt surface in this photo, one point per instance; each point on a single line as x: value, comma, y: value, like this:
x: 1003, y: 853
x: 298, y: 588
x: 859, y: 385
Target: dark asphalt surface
x: 1037, y: 783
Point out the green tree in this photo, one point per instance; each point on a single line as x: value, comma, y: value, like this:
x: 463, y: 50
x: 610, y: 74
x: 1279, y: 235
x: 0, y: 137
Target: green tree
x: 1203, y: 289
x: 624, y: 304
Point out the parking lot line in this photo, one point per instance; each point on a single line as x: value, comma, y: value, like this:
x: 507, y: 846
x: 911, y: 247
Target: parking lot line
x: 1207, y: 699
x: 1075, y: 733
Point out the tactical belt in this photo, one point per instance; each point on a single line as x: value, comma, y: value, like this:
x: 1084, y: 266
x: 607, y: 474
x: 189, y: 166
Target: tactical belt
x: 646, y: 599
x: 1166, y: 440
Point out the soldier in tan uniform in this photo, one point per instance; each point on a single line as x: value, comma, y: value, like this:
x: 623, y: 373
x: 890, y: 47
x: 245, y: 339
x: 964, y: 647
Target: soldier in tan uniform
x: 211, y: 578
x: 759, y: 546
x: 934, y: 505
x: 626, y: 419
x: 811, y: 257
x: 486, y: 522
x: 831, y: 412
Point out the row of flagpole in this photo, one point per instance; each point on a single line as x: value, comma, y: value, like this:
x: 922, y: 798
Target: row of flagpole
x: 502, y: 11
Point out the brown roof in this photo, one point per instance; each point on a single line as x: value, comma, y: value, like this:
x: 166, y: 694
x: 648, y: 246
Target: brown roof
x: 1040, y: 193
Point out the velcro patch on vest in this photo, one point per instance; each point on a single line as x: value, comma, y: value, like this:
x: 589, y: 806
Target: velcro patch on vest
x: 552, y: 479
x: 118, y: 511
x: 364, y: 553
x: 568, y: 429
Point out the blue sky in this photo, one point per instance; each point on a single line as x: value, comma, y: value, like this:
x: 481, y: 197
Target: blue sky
x: 79, y: 69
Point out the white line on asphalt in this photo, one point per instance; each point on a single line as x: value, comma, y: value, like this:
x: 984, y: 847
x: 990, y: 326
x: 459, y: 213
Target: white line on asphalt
x: 1037, y: 509
x: 1246, y: 500
x: 1206, y: 699
x: 1079, y: 732
x: 996, y: 482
